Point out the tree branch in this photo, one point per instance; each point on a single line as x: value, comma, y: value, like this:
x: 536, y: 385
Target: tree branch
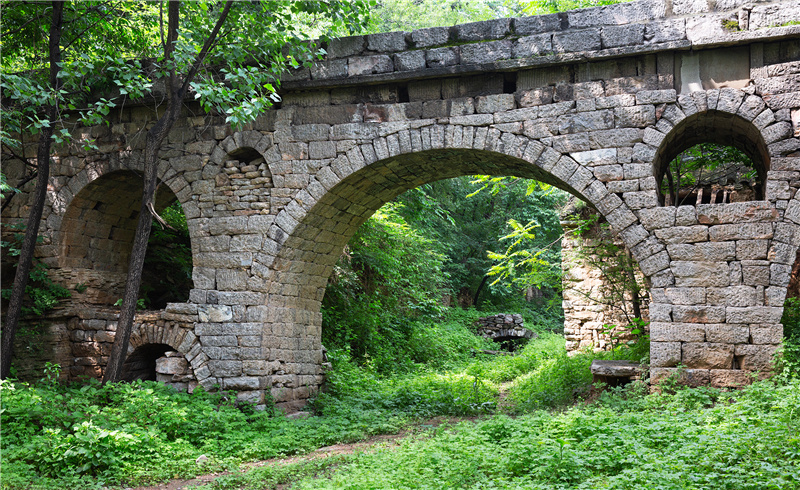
x: 210, y: 41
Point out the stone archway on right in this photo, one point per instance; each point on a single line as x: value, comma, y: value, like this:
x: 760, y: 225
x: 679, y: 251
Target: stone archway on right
x: 711, y: 157
x: 716, y: 320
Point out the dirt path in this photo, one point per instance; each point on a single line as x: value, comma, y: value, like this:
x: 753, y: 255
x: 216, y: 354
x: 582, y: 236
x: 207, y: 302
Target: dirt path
x: 323, y: 452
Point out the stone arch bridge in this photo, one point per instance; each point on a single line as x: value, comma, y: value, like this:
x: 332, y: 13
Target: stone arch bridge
x: 594, y: 101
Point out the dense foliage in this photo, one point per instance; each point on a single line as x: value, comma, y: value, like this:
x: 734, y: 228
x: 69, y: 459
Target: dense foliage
x: 83, y: 436
x: 468, y: 220
x: 167, y: 273
x: 41, y: 293
x: 790, y: 351
x: 429, y: 249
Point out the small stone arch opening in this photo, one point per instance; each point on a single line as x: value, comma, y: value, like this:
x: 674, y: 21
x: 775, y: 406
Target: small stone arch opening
x: 97, y: 232
x: 141, y: 363
x: 738, y: 176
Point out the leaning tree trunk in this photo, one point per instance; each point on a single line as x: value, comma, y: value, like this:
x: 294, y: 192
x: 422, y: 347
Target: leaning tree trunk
x: 134, y: 279
x: 155, y: 137
x: 40, y: 193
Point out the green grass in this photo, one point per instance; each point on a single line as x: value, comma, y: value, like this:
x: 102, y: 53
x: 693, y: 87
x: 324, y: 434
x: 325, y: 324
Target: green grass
x: 692, y: 439
x: 90, y: 436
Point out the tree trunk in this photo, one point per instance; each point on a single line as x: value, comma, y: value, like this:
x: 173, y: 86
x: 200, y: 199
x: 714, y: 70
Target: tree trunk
x: 478, y: 292
x: 134, y: 279
x: 35, y: 216
x: 154, y: 139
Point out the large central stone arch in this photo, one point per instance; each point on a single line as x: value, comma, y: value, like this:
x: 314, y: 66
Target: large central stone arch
x: 310, y: 233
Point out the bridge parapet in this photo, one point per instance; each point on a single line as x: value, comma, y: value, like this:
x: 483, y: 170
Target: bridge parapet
x: 511, y: 44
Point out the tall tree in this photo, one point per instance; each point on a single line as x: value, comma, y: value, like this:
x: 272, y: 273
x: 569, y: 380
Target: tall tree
x: 43, y: 175
x: 47, y: 70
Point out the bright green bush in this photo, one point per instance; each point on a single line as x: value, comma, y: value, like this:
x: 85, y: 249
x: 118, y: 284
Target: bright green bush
x: 423, y: 393
x: 387, y: 281
x: 57, y: 436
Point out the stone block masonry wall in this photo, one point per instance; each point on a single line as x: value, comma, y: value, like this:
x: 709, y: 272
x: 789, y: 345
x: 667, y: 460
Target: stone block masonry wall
x: 592, y: 305
x: 592, y: 101
x: 720, y: 316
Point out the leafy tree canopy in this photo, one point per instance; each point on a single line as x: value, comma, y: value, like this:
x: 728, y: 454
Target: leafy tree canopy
x: 120, y: 46
x: 407, y: 15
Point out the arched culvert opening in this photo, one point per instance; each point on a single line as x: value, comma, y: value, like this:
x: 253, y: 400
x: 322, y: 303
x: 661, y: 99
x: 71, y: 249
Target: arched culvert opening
x: 711, y: 157
x: 708, y: 173
x: 97, y: 234
x: 423, y: 257
x: 141, y: 363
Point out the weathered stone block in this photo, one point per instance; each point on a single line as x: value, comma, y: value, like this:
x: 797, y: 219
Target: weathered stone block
x: 665, y: 354
x: 707, y: 355
x: 729, y: 378
x: 676, y: 332
x: 756, y: 357
x: 640, y: 199
x: 580, y: 40
x: 225, y: 368
x: 529, y: 46
x: 480, y: 31
x: 635, y: 117
x: 683, y: 234
x: 739, y: 212
x: 703, y: 252
x: 624, y: 35
x: 685, y: 296
x: 443, y: 57
x: 432, y: 36
x: 751, y: 249
x: 700, y: 274
x: 323, y: 70
x: 387, y: 42
x: 740, y: 231
x: 410, y: 60
x: 343, y: 47
x: 665, y: 31
x: 606, y: 156
x: 241, y: 383
x: 698, y: 314
x: 367, y: 65
x: 755, y: 314
x: 655, y: 218
x: 524, y: 26
x: 727, y: 334
x: 755, y: 272
x: 609, y: 173
x: 766, y: 334
x: 585, y: 121
x: 486, y: 52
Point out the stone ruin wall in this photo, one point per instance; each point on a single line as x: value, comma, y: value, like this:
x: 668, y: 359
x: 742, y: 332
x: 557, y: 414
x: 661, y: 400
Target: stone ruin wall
x: 588, y: 316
